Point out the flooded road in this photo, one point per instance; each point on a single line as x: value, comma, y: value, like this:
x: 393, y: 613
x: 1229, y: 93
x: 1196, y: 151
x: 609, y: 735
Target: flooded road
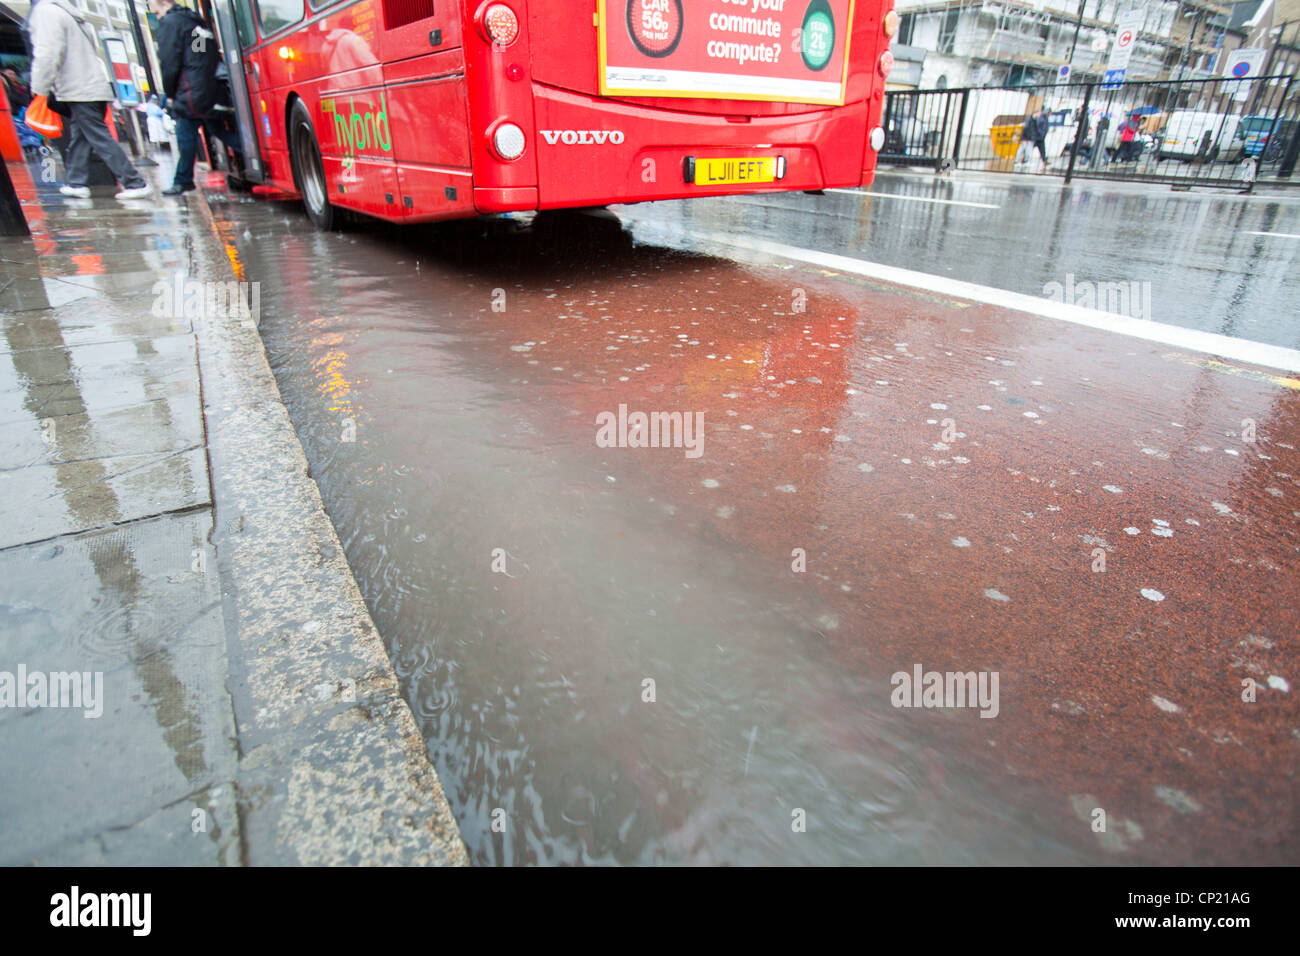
x: 643, y: 654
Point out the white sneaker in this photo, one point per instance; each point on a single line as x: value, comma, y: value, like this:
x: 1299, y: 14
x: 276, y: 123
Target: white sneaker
x: 79, y: 192
x: 139, y: 192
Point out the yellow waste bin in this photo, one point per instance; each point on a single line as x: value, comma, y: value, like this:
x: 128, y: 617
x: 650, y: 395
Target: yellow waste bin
x: 1005, y: 134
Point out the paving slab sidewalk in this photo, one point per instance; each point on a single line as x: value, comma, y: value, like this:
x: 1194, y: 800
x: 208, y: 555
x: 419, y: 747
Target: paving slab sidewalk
x: 226, y: 698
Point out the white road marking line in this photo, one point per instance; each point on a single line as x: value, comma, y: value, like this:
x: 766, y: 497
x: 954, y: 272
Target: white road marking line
x: 1211, y: 343
x: 946, y: 202
x: 1279, y: 235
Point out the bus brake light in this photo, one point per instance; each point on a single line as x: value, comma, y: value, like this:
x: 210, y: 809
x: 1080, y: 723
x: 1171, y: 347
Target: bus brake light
x: 886, y: 63
x: 498, y: 24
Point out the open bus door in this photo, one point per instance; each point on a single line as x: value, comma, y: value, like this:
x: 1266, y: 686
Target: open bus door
x: 235, y: 32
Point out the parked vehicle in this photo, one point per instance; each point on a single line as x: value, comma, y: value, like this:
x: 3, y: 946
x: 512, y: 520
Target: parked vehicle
x: 1256, y: 137
x: 1185, y: 135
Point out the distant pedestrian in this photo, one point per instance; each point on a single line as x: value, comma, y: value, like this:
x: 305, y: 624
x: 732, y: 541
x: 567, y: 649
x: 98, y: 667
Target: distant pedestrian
x: 67, y: 69
x: 188, y: 52
x: 1081, y: 133
x: 1041, y: 124
x: 16, y: 90
x: 155, y: 120
x: 1026, y: 147
x: 1128, y: 140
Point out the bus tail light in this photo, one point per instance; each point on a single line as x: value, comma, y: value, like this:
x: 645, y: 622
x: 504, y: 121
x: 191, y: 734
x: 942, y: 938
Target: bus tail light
x: 498, y: 24
x: 886, y: 63
x: 508, y: 141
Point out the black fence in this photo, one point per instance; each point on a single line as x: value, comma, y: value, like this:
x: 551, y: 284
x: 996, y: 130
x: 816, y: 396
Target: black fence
x: 1217, y: 132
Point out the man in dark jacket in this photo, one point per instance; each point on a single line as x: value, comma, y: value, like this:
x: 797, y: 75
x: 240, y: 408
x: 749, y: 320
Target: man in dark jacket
x: 187, y: 51
x: 1041, y: 124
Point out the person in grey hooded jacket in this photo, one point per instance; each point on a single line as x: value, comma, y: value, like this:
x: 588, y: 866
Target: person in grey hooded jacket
x: 66, y: 64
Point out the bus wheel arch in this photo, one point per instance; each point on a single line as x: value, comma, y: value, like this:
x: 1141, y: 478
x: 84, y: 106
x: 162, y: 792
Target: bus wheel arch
x: 308, y: 169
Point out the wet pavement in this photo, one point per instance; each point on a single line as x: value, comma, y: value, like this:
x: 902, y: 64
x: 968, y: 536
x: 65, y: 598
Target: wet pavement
x: 187, y: 672
x: 888, y: 479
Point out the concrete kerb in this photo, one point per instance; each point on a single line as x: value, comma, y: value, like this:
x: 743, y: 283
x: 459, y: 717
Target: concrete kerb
x: 332, y: 767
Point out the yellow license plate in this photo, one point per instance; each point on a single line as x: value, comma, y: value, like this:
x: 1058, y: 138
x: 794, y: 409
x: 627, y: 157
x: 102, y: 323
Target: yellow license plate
x: 735, y: 171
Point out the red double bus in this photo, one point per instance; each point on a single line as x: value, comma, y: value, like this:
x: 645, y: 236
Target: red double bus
x: 419, y: 110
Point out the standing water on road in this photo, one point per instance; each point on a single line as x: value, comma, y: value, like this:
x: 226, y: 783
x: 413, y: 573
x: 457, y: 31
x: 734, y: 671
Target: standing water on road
x: 639, y: 655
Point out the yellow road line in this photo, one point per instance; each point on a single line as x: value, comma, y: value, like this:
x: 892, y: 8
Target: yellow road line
x: 1215, y: 365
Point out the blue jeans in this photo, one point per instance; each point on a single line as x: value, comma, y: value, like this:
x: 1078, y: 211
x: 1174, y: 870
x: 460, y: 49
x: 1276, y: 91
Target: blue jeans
x: 187, y: 144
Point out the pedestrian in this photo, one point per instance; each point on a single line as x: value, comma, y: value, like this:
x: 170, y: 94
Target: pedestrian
x: 1081, y: 134
x: 1026, y: 147
x: 67, y: 70
x: 20, y: 97
x: 155, y: 120
x: 16, y: 90
x: 1127, y: 138
x: 1041, y: 124
x: 188, y: 52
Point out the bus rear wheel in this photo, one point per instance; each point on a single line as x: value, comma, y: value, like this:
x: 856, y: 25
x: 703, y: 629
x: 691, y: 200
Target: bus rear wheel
x: 308, y: 171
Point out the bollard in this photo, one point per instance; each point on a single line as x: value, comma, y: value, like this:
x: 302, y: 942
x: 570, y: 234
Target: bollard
x: 12, y: 220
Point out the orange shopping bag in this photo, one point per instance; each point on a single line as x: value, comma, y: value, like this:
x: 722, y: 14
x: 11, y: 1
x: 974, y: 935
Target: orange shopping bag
x: 42, y: 119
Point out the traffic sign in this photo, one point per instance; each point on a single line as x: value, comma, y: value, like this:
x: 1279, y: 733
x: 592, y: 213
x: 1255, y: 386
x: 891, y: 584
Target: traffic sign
x: 1247, y: 61
x: 1126, y: 32
x: 1243, y: 64
x: 1064, y: 72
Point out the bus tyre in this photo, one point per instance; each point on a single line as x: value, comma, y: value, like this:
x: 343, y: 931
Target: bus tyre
x: 308, y: 171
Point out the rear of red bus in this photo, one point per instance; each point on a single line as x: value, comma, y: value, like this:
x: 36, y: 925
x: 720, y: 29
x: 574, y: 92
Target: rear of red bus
x: 413, y: 111
x: 581, y: 104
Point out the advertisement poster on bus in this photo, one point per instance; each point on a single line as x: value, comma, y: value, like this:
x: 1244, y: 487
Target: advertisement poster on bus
x: 786, y: 50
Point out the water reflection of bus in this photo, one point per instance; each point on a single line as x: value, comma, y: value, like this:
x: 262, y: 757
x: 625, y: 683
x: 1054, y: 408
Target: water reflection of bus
x: 413, y: 111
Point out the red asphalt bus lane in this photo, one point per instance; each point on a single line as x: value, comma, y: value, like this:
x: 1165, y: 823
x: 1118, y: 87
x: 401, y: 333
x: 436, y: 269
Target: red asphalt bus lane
x: 1108, y: 523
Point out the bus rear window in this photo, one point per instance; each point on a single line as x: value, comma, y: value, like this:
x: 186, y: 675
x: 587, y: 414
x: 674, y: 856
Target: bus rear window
x: 278, y: 14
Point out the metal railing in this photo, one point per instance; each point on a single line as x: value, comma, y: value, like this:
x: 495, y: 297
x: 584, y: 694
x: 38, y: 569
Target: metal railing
x: 1183, y: 132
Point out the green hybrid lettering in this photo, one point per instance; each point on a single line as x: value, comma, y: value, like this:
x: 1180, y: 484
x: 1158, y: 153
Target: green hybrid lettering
x: 360, y: 131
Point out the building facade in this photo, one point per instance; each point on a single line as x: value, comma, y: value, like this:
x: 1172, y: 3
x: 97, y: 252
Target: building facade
x: 1022, y: 42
